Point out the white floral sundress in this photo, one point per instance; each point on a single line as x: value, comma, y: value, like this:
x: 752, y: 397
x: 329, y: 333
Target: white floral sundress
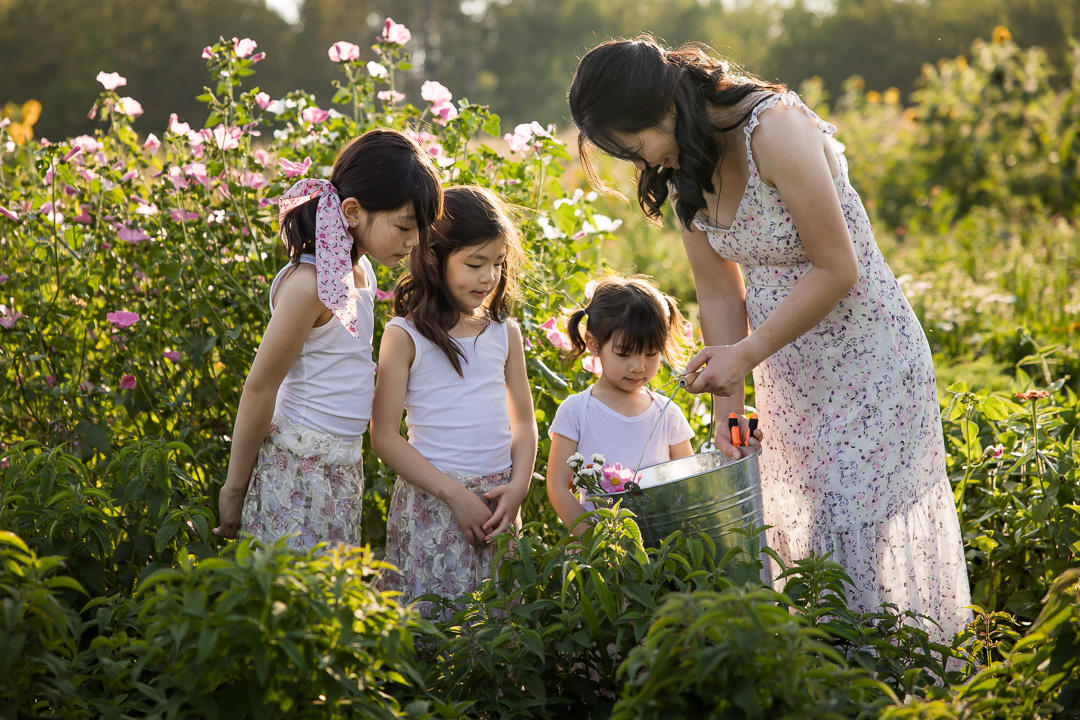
x: 306, y: 486
x: 853, y: 458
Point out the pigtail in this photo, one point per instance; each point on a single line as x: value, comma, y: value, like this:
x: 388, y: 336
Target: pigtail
x: 676, y: 344
x: 577, y: 340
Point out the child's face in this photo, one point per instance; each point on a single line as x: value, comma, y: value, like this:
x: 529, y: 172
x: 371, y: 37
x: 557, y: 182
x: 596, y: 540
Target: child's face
x: 625, y: 371
x: 388, y: 237
x: 474, y: 272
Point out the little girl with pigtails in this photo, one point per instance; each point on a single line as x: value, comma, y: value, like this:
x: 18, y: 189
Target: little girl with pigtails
x: 629, y: 325
x: 295, y: 470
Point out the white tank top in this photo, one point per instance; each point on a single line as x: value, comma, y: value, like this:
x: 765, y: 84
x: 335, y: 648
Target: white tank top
x: 332, y: 381
x: 459, y: 423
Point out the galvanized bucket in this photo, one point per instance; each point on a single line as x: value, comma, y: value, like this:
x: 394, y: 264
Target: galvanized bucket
x: 710, y: 491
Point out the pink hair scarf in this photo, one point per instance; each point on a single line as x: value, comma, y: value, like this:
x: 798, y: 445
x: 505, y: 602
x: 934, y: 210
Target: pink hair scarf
x: 333, y: 248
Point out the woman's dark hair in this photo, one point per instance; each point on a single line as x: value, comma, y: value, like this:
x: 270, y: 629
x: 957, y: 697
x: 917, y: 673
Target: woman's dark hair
x: 383, y: 170
x: 472, y: 216
x: 634, y: 314
x: 627, y: 86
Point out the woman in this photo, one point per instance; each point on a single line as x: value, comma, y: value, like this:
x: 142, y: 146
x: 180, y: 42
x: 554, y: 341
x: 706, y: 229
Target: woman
x: 853, y: 459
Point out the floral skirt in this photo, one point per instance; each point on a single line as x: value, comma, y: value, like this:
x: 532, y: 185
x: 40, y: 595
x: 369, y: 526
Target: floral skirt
x: 914, y: 560
x: 428, y: 547
x: 306, y: 486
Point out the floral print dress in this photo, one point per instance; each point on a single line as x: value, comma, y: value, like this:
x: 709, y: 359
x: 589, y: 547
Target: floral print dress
x: 853, y: 459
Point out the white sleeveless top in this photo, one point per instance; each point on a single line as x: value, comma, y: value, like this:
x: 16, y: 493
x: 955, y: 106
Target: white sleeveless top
x: 459, y: 423
x: 331, y: 383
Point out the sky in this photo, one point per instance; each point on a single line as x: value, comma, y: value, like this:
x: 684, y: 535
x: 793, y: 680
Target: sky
x: 286, y: 8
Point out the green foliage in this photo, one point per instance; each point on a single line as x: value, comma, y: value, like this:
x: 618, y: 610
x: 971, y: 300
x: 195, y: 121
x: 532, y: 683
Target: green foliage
x: 117, y: 603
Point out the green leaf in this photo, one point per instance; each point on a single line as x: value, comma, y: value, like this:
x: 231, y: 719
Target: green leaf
x: 165, y: 534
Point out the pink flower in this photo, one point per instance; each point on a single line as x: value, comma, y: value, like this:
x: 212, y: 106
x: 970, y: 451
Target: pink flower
x: 132, y: 235
x: 127, y: 382
x: 8, y: 316
x: 111, y: 81
x: 257, y: 57
x: 87, y: 143
x: 8, y: 213
x: 590, y: 288
x: 263, y: 157
x: 556, y: 337
x: 152, y: 143
x: 384, y: 294
x: 342, y: 51
x: 592, y: 364
x: 292, y: 169
x: 997, y: 451
x: 390, y: 96
x: 84, y: 215
x: 614, y: 478
x: 177, y: 127
x: 207, y: 52
x: 71, y: 154
x: 227, y: 138
x: 171, y: 355
x: 130, y: 107
x: 122, y: 319
x: 128, y: 176
x: 244, y: 47
x: 314, y: 115
x: 263, y: 100
x: 524, y: 136
x: 395, y: 33
x: 253, y: 180
x: 179, y: 216
x: 435, y: 92
x: 445, y: 112
x: 87, y: 386
x: 4, y: 278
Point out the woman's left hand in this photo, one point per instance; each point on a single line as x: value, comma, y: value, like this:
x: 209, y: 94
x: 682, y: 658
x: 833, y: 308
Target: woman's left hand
x: 724, y: 372
x: 508, y: 499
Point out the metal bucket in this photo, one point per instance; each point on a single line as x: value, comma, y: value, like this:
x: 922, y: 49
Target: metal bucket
x: 710, y: 491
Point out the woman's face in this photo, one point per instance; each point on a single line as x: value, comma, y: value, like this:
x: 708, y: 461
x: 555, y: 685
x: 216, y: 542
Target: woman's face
x: 656, y: 146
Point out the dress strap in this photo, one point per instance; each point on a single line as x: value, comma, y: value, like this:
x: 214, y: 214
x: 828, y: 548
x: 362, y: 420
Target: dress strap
x: 790, y: 99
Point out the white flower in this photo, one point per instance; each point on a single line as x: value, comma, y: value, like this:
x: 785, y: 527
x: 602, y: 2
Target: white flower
x: 376, y: 70
x: 598, y: 458
x: 575, y: 459
x: 276, y: 107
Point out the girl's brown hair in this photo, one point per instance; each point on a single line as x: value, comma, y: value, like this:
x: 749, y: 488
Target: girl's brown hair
x: 471, y: 216
x: 636, y: 315
x: 383, y: 170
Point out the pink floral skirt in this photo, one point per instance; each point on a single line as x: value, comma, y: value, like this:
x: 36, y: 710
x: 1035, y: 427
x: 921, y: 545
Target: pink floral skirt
x: 427, y: 546
x: 307, y: 487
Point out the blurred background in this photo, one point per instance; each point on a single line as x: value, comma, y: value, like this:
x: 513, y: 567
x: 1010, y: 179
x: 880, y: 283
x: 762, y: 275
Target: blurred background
x: 515, y: 55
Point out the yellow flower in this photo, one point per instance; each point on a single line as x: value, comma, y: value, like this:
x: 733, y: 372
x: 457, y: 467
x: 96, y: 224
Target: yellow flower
x: 1001, y: 35
x: 961, y: 62
x: 20, y: 133
x: 892, y: 96
x: 873, y: 97
x: 31, y: 111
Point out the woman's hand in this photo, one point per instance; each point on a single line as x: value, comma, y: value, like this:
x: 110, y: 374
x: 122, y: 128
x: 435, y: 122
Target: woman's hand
x: 724, y: 372
x: 470, y: 513
x: 722, y: 437
x: 508, y: 499
x: 230, y: 505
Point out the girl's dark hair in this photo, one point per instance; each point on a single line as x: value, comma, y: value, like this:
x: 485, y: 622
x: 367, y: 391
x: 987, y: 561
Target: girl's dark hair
x: 633, y: 313
x: 383, y: 170
x: 627, y: 86
x: 472, y: 216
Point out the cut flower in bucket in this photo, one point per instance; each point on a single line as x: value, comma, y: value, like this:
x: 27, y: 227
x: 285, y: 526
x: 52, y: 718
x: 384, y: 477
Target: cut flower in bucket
x: 596, y: 477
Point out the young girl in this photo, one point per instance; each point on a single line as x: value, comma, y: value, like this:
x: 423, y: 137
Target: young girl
x: 295, y: 468
x: 456, y: 363
x: 629, y: 326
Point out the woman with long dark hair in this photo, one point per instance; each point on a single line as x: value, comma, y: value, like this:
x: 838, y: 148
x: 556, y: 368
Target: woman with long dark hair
x: 853, y: 459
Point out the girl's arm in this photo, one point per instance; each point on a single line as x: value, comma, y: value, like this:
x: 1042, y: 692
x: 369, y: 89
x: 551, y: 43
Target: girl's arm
x: 791, y: 154
x: 396, y: 353
x: 297, y: 309
x: 523, y: 441
x: 562, y: 498
x: 680, y: 450
x: 722, y: 315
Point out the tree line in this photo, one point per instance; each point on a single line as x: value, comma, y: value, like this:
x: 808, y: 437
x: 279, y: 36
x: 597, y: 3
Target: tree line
x: 515, y: 55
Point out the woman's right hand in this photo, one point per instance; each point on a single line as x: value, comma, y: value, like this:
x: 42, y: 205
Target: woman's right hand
x: 470, y: 513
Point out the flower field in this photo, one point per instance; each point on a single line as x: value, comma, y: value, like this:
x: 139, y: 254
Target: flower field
x: 133, y: 292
